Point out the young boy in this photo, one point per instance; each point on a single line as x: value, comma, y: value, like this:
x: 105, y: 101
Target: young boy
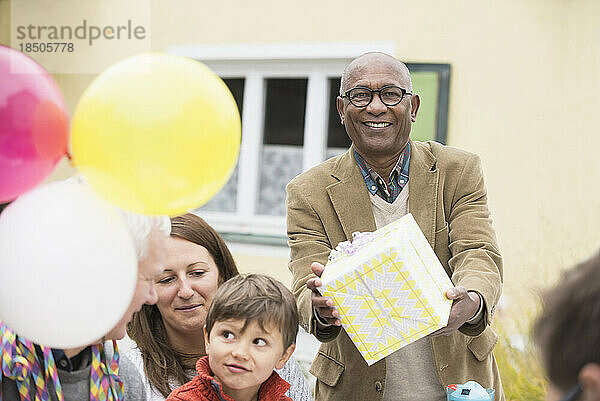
x: 250, y: 330
x: 567, y: 333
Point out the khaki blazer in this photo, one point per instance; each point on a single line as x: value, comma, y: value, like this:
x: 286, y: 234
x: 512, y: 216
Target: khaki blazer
x: 326, y: 204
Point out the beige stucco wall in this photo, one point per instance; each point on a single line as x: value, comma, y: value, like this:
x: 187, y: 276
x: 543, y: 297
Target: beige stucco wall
x: 267, y: 264
x: 524, y: 84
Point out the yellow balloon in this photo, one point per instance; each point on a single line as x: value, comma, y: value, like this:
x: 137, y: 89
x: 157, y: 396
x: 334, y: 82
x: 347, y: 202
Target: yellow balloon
x: 156, y: 134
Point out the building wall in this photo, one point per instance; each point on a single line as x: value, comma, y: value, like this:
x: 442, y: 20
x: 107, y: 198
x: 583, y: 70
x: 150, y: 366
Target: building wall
x: 524, y: 84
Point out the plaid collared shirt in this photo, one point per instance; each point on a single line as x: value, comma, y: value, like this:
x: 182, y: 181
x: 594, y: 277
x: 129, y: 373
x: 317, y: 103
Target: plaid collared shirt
x: 390, y: 189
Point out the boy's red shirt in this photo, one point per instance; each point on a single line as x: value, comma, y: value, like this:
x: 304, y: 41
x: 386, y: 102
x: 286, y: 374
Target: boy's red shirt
x: 204, y: 387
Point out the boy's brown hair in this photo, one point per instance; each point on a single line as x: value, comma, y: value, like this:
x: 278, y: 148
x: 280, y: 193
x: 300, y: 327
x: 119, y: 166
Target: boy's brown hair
x: 568, y: 329
x: 256, y: 297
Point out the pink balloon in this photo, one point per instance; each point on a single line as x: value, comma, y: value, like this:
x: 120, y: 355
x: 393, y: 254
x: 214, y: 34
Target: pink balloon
x: 34, y: 124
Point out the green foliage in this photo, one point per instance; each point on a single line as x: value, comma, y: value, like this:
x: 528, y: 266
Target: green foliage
x: 520, y: 367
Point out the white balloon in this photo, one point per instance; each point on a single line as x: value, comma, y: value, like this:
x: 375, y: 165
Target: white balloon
x: 68, y: 266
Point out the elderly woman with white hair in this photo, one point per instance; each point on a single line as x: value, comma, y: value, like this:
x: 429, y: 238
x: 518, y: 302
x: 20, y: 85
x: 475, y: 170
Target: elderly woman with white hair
x: 90, y: 372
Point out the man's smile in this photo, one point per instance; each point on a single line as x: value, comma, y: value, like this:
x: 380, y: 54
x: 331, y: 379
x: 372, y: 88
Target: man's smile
x: 374, y: 124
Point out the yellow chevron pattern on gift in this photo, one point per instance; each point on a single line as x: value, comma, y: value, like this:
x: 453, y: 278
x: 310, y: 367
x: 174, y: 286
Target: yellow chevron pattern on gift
x: 390, y: 292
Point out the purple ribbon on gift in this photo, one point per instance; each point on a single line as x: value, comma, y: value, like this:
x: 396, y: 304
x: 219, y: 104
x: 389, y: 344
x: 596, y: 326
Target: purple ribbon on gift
x: 351, y: 247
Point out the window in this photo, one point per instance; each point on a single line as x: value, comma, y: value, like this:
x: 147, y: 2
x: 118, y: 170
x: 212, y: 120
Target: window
x: 290, y: 123
x: 432, y: 83
x: 226, y: 199
x: 283, y: 139
x: 337, y: 139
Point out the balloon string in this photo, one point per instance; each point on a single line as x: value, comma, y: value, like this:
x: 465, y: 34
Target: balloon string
x: 69, y: 157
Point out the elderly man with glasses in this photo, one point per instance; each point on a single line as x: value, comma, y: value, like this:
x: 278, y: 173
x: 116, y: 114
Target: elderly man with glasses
x: 367, y: 188
x: 568, y: 334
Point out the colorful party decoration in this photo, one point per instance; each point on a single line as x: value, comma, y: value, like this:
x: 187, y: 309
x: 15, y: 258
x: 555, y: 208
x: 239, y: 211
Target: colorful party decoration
x: 35, y: 376
x: 389, y: 288
x: 33, y: 370
x: 68, y: 266
x: 34, y: 126
x: 105, y: 383
x: 156, y: 134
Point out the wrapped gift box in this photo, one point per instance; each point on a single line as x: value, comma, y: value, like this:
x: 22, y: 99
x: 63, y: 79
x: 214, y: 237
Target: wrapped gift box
x: 389, y: 288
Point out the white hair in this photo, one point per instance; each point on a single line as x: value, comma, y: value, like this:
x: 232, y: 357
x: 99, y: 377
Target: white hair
x: 140, y: 226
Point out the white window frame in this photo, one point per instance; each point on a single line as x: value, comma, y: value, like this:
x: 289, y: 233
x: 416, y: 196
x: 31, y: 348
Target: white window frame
x: 255, y: 63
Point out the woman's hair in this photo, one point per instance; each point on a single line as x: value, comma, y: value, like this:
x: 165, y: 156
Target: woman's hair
x: 162, y: 363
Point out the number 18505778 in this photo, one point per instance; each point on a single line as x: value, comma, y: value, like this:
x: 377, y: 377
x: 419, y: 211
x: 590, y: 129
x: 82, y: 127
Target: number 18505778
x: 46, y: 47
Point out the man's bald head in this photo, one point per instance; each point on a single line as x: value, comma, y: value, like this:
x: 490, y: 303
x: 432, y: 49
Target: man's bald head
x: 353, y: 70
x: 378, y: 130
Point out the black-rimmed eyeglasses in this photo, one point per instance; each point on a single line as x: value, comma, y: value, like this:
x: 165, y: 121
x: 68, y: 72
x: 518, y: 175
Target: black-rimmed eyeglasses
x: 573, y: 394
x: 390, y: 95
